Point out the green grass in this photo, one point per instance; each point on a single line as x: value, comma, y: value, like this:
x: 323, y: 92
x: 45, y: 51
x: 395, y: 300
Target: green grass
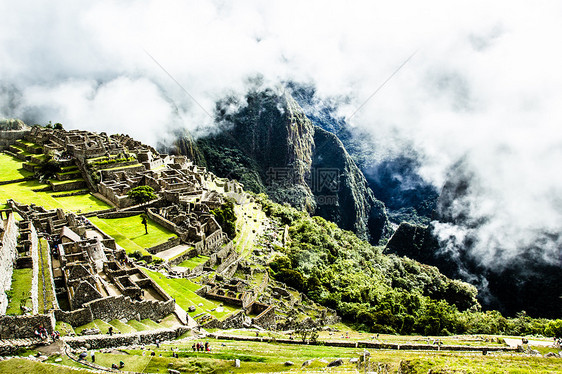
x: 170, y: 321
x: 103, y: 326
x: 150, y: 323
x: 21, y: 289
x: 193, y: 262
x: 139, y: 326
x: 91, y: 325
x: 18, y: 365
x: 45, y: 305
x: 64, y: 328
x: 133, y: 363
x: 22, y: 193
x: 124, y: 167
x: 121, y: 327
x: 55, y: 182
x: 247, y: 227
x: 129, y: 232
x: 11, y: 168
x: 183, y: 290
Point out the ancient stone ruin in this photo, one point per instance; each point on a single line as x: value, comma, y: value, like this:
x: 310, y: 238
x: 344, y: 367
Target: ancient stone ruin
x: 91, y: 278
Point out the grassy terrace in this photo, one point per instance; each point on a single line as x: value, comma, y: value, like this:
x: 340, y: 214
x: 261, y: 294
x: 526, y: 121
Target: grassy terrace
x: 11, y: 168
x: 129, y: 232
x: 45, y: 303
x: 183, y: 290
x: 57, y: 182
x: 23, y: 192
x: 248, y: 222
x: 194, y: 262
x: 21, y: 289
x: 259, y: 357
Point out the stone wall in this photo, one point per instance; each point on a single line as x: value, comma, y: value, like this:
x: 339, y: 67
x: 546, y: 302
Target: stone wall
x: 266, y: 319
x: 9, y: 137
x: 233, y: 321
x: 68, y: 186
x: 225, y: 299
x: 21, y: 327
x: 129, y: 213
x: 78, y: 317
x: 121, y: 307
x: 34, y: 251
x: 182, y: 257
x: 8, y: 254
x: 117, y: 307
x: 120, y: 340
x: 232, y: 257
x: 172, y: 242
x: 163, y: 221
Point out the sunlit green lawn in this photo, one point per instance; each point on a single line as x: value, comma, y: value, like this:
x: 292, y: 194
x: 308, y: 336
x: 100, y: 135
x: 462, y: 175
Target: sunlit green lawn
x: 20, y: 289
x: 22, y: 193
x: 183, y: 290
x: 194, y: 262
x: 11, y: 168
x: 129, y: 232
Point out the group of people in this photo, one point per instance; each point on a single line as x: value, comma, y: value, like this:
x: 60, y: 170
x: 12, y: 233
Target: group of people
x: 41, y: 332
x: 201, y: 347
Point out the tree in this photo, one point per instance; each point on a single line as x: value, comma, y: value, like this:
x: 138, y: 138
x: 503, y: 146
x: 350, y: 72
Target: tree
x: 48, y: 168
x: 58, y: 126
x: 142, y: 194
x: 145, y: 223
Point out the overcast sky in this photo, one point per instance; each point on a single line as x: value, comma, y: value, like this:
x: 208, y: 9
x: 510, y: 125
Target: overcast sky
x: 484, y: 81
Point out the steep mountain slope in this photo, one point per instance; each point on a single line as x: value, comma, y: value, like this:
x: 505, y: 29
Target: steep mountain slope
x: 395, y: 181
x: 270, y: 145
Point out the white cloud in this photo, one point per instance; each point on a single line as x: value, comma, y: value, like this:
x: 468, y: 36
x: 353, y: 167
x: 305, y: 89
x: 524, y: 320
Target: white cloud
x: 484, y: 83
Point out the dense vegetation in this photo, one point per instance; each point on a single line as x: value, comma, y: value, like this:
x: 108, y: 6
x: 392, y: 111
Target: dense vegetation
x: 226, y: 218
x: 378, y: 292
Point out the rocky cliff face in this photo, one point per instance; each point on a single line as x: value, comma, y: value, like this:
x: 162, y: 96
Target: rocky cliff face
x: 270, y: 146
x: 349, y: 202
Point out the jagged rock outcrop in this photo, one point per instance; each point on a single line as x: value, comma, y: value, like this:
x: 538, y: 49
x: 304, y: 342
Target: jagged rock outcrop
x: 270, y: 146
x: 354, y: 206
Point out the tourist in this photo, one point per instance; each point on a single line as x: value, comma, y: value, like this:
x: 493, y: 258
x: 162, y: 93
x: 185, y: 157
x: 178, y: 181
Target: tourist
x: 82, y: 356
x: 93, y: 356
x: 193, y: 347
x: 157, y: 343
x: 152, y: 353
x: 121, y: 364
x: 110, y: 331
x: 207, y: 348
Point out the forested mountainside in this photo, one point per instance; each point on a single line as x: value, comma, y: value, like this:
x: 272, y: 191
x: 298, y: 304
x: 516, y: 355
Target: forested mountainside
x: 271, y: 146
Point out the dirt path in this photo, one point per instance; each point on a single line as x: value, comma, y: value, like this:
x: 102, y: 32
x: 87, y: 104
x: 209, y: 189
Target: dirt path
x: 533, y: 343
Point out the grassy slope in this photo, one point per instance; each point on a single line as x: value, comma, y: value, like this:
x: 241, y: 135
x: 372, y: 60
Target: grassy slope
x: 183, y: 290
x: 11, y: 168
x: 248, y: 221
x: 21, y: 288
x: 26, y: 366
x: 44, y: 307
x: 129, y: 232
x: 194, y: 262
